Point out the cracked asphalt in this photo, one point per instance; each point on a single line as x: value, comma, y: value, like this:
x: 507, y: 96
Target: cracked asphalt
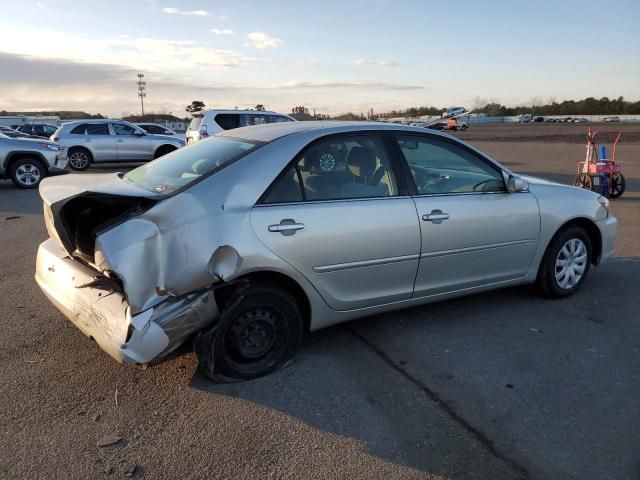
x: 502, y: 385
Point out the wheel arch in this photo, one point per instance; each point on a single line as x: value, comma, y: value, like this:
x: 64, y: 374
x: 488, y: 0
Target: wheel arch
x: 224, y: 292
x: 592, y: 230
x: 165, y: 146
x: 15, y: 156
x: 81, y: 147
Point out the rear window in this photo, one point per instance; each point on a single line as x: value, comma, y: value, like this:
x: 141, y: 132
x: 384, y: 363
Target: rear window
x: 227, y: 121
x: 182, y: 167
x: 194, y: 124
x: 80, y: 129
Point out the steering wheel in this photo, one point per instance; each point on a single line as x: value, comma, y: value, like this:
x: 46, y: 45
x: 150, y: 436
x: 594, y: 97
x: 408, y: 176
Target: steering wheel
x: 433, y: 182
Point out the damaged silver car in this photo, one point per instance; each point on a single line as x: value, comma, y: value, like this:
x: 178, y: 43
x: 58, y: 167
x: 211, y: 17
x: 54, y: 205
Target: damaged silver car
x: 248, y: 240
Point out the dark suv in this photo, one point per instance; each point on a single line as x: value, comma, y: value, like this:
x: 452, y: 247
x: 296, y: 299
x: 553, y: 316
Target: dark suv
x: 38, y: 129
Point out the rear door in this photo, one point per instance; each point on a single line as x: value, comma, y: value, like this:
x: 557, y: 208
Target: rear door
x: 100, y: 141
x: 474, y: 232
x: 129, y: 145
x: 341, y: 216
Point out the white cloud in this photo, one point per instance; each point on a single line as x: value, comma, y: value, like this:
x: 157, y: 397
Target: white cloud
x: 177, y: 11
x: 222, y: 31
x: 375, y: 63
x: 262, y: 40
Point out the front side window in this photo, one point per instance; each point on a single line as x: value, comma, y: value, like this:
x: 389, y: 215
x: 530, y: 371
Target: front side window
x: 97, y: 129
x: 337, y: 169
x: 440, y: 167
x: 49, y: 130
x: 122, y: 129
x: 186, y: 165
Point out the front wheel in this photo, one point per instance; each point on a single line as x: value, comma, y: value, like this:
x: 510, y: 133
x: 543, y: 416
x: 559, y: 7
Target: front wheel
x: 565, y: 264
x: 260, y: 330
x: 27, y: 173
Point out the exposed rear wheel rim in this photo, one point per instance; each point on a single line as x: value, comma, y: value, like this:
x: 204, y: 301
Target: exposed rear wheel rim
x: 571, y: 263
x: 255, y: 340
x: 28, y: 174
x: 79, y: 160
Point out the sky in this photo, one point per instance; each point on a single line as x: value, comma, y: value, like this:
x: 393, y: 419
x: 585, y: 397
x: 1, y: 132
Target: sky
x: 331, y: 56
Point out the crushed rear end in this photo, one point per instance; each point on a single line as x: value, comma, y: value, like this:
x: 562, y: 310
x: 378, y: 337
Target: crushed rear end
x: 103, y: 265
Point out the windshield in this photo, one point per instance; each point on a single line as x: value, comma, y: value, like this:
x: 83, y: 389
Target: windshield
x: 195, y: 123
x: 186, y: 165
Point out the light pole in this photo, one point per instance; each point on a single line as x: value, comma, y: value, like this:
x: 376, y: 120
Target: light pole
x: 141, y: 91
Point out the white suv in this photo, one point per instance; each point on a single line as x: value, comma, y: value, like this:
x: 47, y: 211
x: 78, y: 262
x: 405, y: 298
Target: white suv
x: 210, y: 122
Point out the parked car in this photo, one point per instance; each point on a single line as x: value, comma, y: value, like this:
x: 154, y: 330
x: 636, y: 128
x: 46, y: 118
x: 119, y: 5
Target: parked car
x: 155, y: 129
x: 27, y: 161
x: 525, y: 118
x: 538, y: 119
x: 95, y: 141
x: 579, y: 120
x: 611, y: 119
x: 455, y: 124
x: 260, y: 234
x: 209, y: 122
x: 39, y: 129
x: 11, y: 133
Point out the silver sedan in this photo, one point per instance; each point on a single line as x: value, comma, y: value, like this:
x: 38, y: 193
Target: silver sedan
x: 250, y: 239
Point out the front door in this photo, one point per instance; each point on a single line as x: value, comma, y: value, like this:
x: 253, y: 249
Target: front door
x: 336, y: 216
x: 474, y: 232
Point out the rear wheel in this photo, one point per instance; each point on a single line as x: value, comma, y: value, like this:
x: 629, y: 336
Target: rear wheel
x: 27, y: 173
x: 566, y: 263
x: 260, y: 330
x: 79, y: 159
x: 163, y: 150
x: 617, y: 185
x: 583, y: 181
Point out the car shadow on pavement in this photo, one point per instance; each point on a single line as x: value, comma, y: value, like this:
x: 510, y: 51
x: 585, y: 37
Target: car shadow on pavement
x: 502, y: 384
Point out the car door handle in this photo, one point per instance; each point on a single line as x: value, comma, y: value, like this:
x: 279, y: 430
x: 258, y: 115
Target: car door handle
x: 119, y: 141
x: 286, y: 227
x: 87, y: 140
x: 436, y: 216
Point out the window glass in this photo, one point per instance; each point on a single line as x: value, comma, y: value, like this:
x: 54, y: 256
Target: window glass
x: 194, y: 124
x: 79, y: 129
x: 286, y: 189
x: 122, y: 129
x: 38, y: 129
x: 278, y: 119
x: 49, y: 129
x: 185, y: 165
x: 227, y: 121
x: 252, y: 119
x: 439, y: 166
x: 97, y: 129
x: 343, y: 168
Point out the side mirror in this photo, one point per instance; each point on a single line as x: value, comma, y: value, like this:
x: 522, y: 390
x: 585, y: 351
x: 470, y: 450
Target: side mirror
x: 517, y: 184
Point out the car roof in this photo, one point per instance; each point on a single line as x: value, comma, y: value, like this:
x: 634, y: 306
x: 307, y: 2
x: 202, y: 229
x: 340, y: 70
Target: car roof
x: 257, y: 112
x: 95, y: 120
x: 273, y: 131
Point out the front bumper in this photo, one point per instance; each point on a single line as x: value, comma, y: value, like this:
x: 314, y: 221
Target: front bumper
x: 103, y: 314
x: 608, y: 229
x: 59, y: 164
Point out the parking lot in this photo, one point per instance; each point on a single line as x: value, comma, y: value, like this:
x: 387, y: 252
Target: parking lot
x: 500, y: 385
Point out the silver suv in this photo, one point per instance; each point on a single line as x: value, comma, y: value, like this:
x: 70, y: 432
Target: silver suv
x: 27, y: 161
x: 94, y: 141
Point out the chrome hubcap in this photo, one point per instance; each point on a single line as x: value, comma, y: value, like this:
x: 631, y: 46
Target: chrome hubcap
x: 78, y: 159
x: 571, y: 263
x: 28, y: 174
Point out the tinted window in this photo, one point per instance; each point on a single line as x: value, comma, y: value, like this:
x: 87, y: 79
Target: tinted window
x: 344, y: 168
x: 439, y: 166
x: 97, y: 129
x: 227, y: 121
x: 253, y: 119
x: 79, y: 129
x: 122, y: 129
x: 278, y: 119
x: 49, y: 129
x: 155, y: 129
x: 184, y: 166
x: 38, y: 129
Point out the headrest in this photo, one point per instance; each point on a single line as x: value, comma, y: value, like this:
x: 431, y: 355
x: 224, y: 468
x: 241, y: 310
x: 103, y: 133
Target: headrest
x: 361, y: 162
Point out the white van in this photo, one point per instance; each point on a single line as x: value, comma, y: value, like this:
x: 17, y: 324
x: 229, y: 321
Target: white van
x: 210, y: 122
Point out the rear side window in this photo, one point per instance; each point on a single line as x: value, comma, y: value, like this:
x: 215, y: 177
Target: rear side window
x: 194, y: 124
x: 97, y: 129
x: 79, y: 129
x: 278, y: 119
x: 253, y: 119
x: 227, y: 121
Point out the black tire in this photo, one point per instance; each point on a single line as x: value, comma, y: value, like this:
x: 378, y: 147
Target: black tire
x: 27, y: 173
x: 463, y: 128
x: 617, y: 185
x: 79, y: 159
x: 547, y: 281
x: 260, y: 330
x: 163, y: 150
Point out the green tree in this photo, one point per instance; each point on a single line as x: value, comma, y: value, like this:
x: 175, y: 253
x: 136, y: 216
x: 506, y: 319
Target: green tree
x: 196, y: 106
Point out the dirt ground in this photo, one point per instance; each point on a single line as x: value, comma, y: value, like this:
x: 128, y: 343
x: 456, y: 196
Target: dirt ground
x: 502, y: 385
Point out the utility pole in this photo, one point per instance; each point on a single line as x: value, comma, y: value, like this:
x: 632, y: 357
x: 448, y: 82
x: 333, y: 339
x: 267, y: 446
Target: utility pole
x: 141, y: 90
